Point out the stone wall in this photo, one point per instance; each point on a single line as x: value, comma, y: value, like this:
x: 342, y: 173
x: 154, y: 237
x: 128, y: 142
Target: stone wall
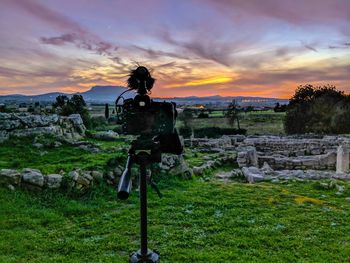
x: 25, y: 124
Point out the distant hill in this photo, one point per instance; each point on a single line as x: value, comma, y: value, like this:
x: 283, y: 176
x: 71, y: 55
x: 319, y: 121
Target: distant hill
x: 98, y: 94
x: 108, y: 94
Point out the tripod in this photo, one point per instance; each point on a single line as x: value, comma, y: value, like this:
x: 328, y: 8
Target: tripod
x: 144, y: 151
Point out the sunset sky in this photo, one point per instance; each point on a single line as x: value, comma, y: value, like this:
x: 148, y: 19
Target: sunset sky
x: 193, y: 47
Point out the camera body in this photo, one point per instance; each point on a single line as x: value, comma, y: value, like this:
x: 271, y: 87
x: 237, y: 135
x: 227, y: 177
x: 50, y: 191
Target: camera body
x: 143, y: 116
x: 148, y: 118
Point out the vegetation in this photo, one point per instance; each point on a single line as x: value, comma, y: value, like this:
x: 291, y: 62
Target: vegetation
x: 106, y: 111
x: 318, y: 110
x: 255, y: 122
x: 265, y: 222
x: 19, y: 153
x: 75, y: 104
x: 232, y: 114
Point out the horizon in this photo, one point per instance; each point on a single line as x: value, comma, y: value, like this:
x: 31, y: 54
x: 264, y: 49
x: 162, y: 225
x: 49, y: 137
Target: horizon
x: 194, y: 48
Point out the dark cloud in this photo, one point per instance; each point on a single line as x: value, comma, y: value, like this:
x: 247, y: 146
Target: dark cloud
x: 100, y: 47
x: 310, y: 48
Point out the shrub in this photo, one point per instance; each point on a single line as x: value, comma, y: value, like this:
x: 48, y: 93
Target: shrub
x: 318, y: 110
x: 185, y: 131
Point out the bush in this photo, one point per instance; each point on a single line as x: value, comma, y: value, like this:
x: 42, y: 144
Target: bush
x: 321, y: 110
x: 97, y: 122
x: 185, y: 132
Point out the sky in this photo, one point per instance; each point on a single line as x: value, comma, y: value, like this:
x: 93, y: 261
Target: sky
x: 192, y: 47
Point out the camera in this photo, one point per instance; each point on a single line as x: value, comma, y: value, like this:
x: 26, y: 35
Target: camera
x: 143, y: 116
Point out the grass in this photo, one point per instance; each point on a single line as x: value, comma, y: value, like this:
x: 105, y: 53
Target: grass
x: 256, y: 122
x: 196, y: 221
x: 20, y: 153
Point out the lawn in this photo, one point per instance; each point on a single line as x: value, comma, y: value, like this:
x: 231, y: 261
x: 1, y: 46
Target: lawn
x: 196, y: 221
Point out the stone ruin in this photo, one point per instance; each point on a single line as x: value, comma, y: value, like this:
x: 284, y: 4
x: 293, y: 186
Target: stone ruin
x: 283, y: 157
x: 26, y: 124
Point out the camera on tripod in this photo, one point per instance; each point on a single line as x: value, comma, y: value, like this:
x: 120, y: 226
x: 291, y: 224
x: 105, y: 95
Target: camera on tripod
x: 143, y: 116
x: 154, y: 123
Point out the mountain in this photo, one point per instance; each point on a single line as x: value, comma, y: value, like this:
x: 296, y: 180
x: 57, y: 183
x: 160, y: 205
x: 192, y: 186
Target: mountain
x: 108, y: 94
x: 97, y: 94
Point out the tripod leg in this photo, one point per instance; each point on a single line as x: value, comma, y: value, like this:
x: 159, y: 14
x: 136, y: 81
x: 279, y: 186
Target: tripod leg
x: 144, y: 254
x: 143, y: 208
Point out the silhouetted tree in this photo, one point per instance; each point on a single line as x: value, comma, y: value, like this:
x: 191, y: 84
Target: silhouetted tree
x: 232, y: 114
x: 319, y: 109
x: 106, y: 111
x: 203, y: 115
x: 61, y: 100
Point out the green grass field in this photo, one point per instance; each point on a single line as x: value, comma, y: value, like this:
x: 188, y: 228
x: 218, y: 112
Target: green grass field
x: 196, y: 221
x: 255, y: 122
x: 19, y: 153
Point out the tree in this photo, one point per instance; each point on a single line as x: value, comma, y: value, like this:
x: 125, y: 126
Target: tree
x: 61, y: 100
x: 106, y: 111
x: 232, y: 114
x: 319, y: 109
x: 76, y: 104
x: 186, y: 117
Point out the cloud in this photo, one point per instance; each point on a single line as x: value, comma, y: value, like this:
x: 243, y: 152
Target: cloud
x: 75, y: 33
x: 310, y: 48
x: 297, y: 75
x: 153, y: 54
x: 102, y: 48
x: 295, y: 12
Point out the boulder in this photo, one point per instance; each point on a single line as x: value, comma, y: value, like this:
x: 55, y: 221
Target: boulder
x: 106, y: 135
x: 53, y: 181
x: 32, y: 177
x: 267, y: 169
x: 253, y: 174
x: 9, y: 176
x: 97, y: 175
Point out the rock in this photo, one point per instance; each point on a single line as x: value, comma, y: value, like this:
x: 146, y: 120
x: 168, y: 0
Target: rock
x: 110, y: 177
x: 198, y: 170
x: 53, y: 181
x: 11, y: 187
x: 224, y: 175
x: 253, y: 174
x: 267, y: 169
x: 38, y: 145
x: 75, y: 119
x: 89, y: 149
x: 8, y: 176
x: 27, y: 124
x: 74, y: 175
x: 236, y: 173
x: 57, y: 144
x: 97, y: 175
x: 106, y: 135
x: 33, y: 177
x: 181, y: 168
x: 118, y: 170
x: 343, y: 159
